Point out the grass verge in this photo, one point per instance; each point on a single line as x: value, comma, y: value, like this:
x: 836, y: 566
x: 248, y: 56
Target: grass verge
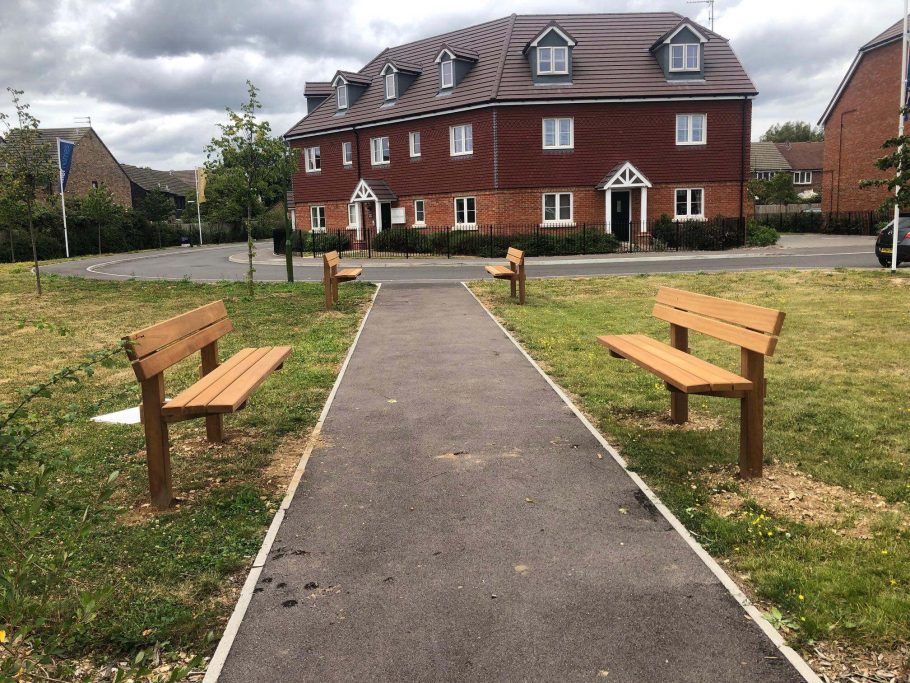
x: 169, y: 576
x: 823, y: 542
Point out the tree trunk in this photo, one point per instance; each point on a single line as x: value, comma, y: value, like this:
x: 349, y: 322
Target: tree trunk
x: 288, y: 246
x: 249, y: 247
x: 31, y: 235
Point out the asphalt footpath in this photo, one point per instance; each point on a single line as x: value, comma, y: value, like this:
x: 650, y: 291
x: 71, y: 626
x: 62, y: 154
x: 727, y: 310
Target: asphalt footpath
x: 458, y: 522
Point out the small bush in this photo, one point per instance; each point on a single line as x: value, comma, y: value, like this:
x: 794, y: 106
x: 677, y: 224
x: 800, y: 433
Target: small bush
x: 761, y: 235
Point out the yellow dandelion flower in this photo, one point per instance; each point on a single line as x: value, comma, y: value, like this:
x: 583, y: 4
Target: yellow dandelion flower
x: 802, y: 597
x: 884, y: 552
x: 2, y: 636
x: 893, y: 583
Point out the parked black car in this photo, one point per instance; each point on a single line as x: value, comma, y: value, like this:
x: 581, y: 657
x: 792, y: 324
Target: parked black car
x: 885, y: 242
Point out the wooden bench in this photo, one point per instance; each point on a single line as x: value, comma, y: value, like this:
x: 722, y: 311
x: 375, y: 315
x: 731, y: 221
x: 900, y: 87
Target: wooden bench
x: 753, y: 328
x: 514, y: 272
x: 223, y: 387
x: 331, y: 276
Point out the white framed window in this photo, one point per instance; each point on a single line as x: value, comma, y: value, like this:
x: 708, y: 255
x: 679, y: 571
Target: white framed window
x: 553, y: 60
x: 341, y: 96
x: 557, y: 208
x: 391, y: 92
x: 312, y: 159
x: 414, y: 143
x: 461, y: 140
x: 446, y: 74
x: 764, y: 175
x: 420, y: 216
x: 685, y: 57
x: 802, y: 177
x: 353, y: 216
x: 559, y: 133
x: 379, y: 151
x: 690, y: 202
x: 465, y: 212
x: 317, y: 218
x: 691, y: 129
x: 347, y: 153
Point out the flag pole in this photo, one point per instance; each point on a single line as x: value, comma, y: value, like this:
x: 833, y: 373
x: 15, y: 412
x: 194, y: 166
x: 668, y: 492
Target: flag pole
x: 66, y: 240
x: 198, y: 209
x: 900, y: 133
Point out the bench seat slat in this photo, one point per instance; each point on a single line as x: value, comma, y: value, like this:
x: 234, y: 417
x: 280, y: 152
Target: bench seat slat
x: 754, y: 317
x: 239, y: 391
x: 148, y: 340
x: 195, y: 398
x: 500, y: 271
x: 348, y: 273
x: 151, y: 365
x: 720, y: 378
x: 677, y: 368
x: 749, y: 339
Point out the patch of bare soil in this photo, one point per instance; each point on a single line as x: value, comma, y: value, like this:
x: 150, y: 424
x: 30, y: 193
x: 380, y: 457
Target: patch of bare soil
x: 785, y: 491
x: 835, y: 662
x: 698, y: 422
x: 284, y: 462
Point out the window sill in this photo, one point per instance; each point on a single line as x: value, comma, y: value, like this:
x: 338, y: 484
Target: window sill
x: 570, y: 148
x: 557, y: 224
x: 691, y: 144
x: 683, y: 219
x: 465, y: 226
x: 461, y: 154
x: 319, y: 231
x: 316, y: 172
x: 419, y: 225
x: 380, y: 164
x: 414, y: 157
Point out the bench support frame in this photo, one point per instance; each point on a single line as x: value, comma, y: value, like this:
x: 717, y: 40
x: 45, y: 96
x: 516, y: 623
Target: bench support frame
x: 752, y: 416
x: 679, y: 401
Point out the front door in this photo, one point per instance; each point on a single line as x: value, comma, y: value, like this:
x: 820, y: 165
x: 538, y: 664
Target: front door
x: 386, y: 210
x: 620, y: 214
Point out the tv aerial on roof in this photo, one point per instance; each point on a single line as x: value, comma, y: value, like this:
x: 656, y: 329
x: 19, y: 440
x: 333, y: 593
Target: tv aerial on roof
x: 83, y: 121
x: 710, y: 4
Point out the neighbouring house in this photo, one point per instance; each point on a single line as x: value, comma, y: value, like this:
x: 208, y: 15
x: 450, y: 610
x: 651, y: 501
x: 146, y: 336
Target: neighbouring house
x: 801, y: 160
x: 607, y: 119
x: 145, y: 180
x: 861, y: 115
x: 93, y: 164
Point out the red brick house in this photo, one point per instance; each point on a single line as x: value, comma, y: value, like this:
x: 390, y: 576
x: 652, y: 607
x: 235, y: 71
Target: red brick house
x: 607, y: 119
x: 862, y: 114
x: 93, y: 164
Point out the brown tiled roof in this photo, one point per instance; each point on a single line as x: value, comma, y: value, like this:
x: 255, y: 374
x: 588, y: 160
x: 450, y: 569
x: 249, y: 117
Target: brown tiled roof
x: 685, y: 22
x: 353, y: 77
x: 188, y: 176
x: 891, y: 33
x: 764, y: 156
x: 317, y: 89
x: 612, y: 60
x: 381, y: 189
x: 802, y: 156
x: 48, y: 136
x: 459, y: 52
x: 149, y: 179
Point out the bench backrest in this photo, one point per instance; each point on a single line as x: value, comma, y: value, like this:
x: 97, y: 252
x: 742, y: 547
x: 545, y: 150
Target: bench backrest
x: 331, y: 259
x: 515, y: 256
x: 154, y: 349
x: 752, y: 327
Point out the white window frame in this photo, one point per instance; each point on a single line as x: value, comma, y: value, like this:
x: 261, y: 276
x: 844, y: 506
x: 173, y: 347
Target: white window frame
x: 556, y: 132
x: 689, y: 216
x: 765, y: 175
x: 317, y: 223
x: 312, y: 159
x: 558, y: 206
x: 347, y: 153
x: 383, y: 148
x: 443, y: 82
x: 467, y: 138
x: 414, y: 150
x: 686, y: 65
x: 690, y: 128
x: 423, y: 210
x: 551, y: 51
x: 802, y: 177
x: 467, y: 225
x: 355, y: 224
x: 341, y: 93
x: 391, y: 93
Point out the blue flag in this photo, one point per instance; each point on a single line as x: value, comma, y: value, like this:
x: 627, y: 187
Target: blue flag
x: 65, y: 157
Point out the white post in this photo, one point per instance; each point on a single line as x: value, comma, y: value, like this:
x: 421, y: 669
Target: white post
x: 900, y: 132
x: 198, y: 209
x: 609, y: 215
x: 644, y: 209
x: 66, y: 239
x: 378, y: 208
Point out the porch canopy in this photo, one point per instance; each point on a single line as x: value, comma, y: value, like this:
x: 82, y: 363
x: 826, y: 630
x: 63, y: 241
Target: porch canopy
x: 376, y: 191
x: 625, y: 176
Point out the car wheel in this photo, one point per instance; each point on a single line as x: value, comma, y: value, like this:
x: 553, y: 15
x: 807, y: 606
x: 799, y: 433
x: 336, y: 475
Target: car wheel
x: 885, y: 261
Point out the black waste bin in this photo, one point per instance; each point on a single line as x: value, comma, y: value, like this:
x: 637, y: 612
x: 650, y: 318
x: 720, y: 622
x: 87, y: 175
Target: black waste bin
x: 278, y: 241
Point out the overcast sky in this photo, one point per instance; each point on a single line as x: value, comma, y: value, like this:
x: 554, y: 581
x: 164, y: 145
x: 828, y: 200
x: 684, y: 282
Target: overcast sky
x: 155, y: 75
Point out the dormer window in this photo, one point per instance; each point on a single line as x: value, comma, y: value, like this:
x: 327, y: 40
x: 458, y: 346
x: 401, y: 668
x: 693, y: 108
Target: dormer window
x: 552, y: 60
x: 685, y: 57
x: 390, y: 89
x: 446, y: 74
x: 341, y: 95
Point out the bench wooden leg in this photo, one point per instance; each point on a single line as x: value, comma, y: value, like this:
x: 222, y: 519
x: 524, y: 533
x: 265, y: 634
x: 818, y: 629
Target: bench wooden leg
x: 213, y: 423
x: 521, y: 291
x: 512, y: 287
x: 752, y: 417
x: 157, y: 447
x: 679, y: 401
x: 335, y: 290
x: 327, y: 286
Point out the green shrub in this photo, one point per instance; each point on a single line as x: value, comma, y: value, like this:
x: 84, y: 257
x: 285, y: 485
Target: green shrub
x: 759, y: 235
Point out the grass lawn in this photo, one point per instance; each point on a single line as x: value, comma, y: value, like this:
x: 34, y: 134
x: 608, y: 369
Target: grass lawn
x: 824, y: 538
x: 171, y: 576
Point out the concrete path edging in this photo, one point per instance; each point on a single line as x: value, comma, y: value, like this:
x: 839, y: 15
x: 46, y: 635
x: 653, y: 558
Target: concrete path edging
x: 213, y: 670
x: 754, y: 613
